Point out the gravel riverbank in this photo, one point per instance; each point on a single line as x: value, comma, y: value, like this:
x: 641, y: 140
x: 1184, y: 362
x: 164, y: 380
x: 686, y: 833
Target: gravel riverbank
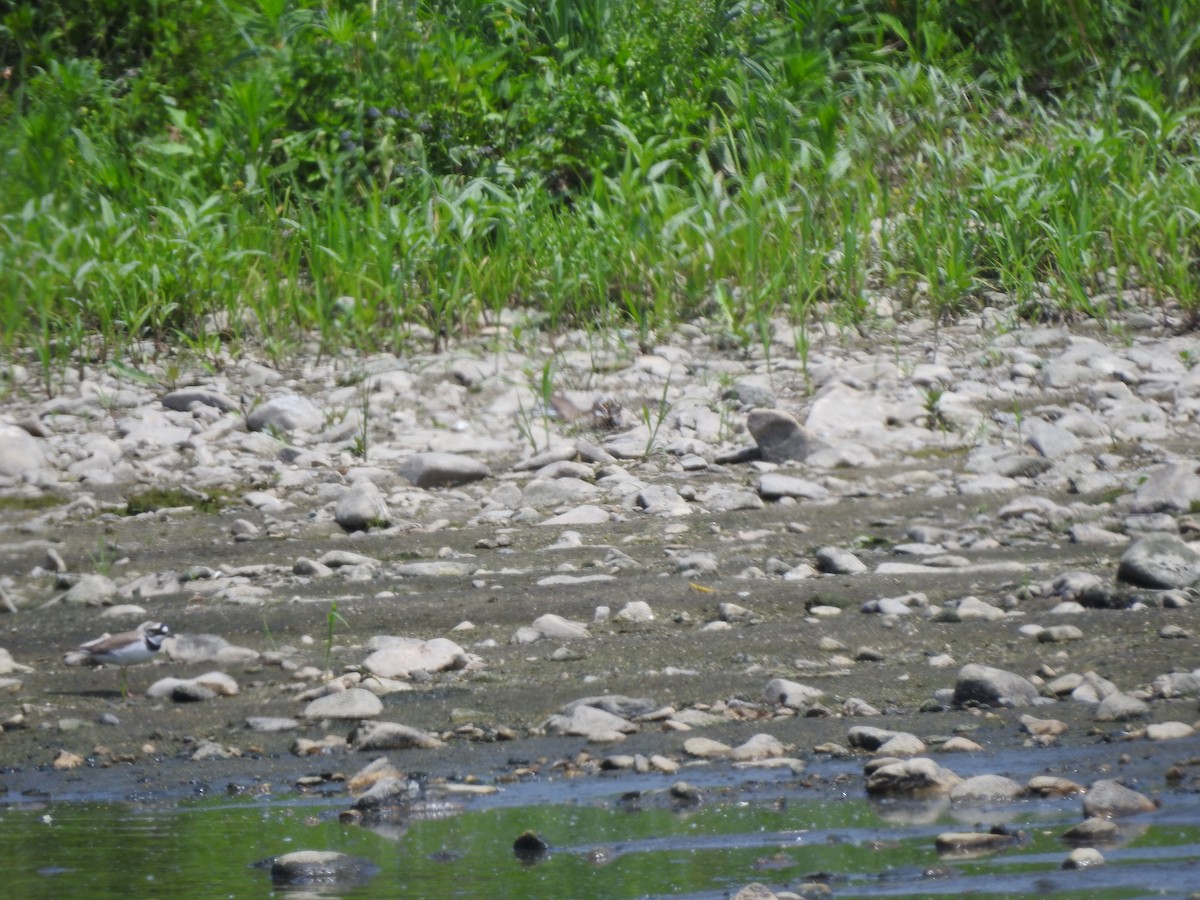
x: 437, y: 557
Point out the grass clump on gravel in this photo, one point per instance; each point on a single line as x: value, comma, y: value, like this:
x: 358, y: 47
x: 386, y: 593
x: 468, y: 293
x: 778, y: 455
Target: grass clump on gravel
x: 155, y: 499
x: 197, y: 177
x: 17, y: 503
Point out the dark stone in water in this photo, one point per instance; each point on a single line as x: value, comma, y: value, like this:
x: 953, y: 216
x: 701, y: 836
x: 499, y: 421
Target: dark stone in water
x: 686, y: 794
x: 530, y: 847
x: 316, y: 867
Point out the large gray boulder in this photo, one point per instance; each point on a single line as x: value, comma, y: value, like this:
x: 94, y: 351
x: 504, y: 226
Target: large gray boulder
x: 779, y: 436
x: 993, y: 687
x: 1159, y: 561
x: 1172, y: 487
x: 354, y: 703
x: 1108, y: 799
x: 399, y: 657
x: 291, y: 412
x: 362, y: 506
x: 426, y: 470
x: 20, y: 453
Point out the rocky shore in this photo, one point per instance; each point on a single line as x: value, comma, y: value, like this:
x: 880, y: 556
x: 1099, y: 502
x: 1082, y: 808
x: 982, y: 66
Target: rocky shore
x: 581, y: 553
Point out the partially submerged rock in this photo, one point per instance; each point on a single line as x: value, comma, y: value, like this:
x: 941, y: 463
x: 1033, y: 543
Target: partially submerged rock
x: 973, y: 844
x: 1111, y: 799
x: 987, y: 789
x: 321, y: 867
x: 914, y: 778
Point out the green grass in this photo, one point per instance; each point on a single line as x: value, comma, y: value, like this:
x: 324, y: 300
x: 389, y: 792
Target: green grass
x: 155, y: 499
x: 217, y: 177
x: 14, y: 503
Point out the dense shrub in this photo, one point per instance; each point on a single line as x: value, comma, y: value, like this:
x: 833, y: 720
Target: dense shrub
x: 375, y: 91
x: 171, y: 165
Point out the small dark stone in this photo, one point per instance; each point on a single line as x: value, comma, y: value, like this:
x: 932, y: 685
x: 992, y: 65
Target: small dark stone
x: 530, y: 847
x: 687, y: 794
x: 1098, y: 596
x: 192, y: 692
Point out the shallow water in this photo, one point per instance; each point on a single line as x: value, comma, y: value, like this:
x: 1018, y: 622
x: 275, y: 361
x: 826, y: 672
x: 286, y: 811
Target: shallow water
x: 771, y: 829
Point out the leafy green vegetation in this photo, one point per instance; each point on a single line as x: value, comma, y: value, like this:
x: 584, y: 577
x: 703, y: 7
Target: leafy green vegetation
x: 201, y: 176
x: 332, y: 619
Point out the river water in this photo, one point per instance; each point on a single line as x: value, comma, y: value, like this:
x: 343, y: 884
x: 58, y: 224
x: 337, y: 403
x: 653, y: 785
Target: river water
x: 608, y: 838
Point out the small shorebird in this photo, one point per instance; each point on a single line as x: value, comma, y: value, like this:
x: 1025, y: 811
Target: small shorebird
x: 127, y: 648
